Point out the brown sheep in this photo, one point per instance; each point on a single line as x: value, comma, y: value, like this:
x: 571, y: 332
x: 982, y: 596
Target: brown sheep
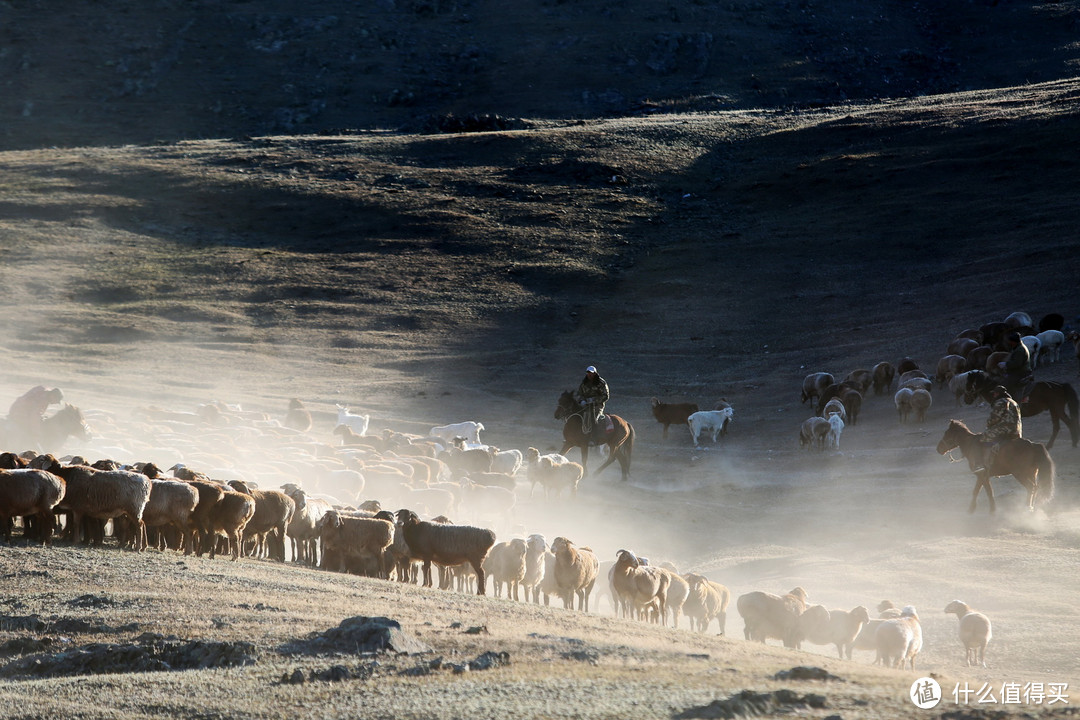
x: 706, y: 600
x: 298, y: 417
x: 814, y: 384
x: 356, y: 541
x: 228, y: 517
x: 31, y: 493
x: 267, y: 527
x: 672, y: 413
x: 575, y: 572
x: 447, y: 545
x: 862, y: 378
x: 948, y: 367
x: 884, y: 372
x: 102, y: 494
x: 639, y: 588
x: 172, y: 503
x: 961, y: 346
x: 852, y: 400
x: 813, y: 431
x: 906, y: 364
x: 771, y: 616
x: 210, y: 494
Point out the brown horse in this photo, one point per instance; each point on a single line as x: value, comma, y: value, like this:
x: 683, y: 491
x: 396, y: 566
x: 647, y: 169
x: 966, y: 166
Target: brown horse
x: 1059, y: 398
x: 619, y: 441
x: 1026, y: 461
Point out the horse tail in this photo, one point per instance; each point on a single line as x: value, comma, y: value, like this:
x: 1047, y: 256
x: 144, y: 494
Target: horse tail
x: 1045, y: 464
x: 629, y: 444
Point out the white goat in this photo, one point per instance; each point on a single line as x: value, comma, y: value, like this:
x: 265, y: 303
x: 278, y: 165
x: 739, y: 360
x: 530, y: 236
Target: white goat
x: 711, y: 421
x: 357, y: 423
x: 469, y: 430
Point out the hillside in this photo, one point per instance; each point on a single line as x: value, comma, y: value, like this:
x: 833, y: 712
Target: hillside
x: 722, y: 240
x: 124, y: 71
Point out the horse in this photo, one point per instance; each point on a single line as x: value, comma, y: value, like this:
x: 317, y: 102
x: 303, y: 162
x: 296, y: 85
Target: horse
x: 1055, y: 397
x: 619, y: 441
x: 1027, y: 461
x: 66, y: 422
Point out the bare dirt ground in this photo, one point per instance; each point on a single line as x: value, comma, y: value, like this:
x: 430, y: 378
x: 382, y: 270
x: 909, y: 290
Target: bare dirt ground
x: 431, y: 279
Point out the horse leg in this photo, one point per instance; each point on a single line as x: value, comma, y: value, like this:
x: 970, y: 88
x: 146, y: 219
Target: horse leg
x: 975, y: 495
x: 1056, y: 425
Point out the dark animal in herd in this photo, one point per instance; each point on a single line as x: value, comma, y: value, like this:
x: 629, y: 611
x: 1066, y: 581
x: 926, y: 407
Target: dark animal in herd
x: 672, y: 413
x: 1057, y: 398
x: 1027, y: 461
x: 619, y: 441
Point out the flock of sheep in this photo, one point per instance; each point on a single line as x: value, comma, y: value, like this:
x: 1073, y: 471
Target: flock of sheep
x: 341, y: 515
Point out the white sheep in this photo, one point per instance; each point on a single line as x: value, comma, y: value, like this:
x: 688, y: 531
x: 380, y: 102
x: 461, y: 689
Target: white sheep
x: 357, y: 423
x: 505, y: 564
x: 902, y: 400
x: 553, y: 472
x: 534, y: 566
x: 974, y: 629
x: 713, y: 422
x: 921, y: 400
x: 1034, y: 346
x: 836, y: 426
x: 1050, y: 342
x: 899, y: 640
x: 507, y: 462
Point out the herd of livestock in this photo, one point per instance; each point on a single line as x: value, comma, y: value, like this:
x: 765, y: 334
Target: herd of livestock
x: 340, y: 517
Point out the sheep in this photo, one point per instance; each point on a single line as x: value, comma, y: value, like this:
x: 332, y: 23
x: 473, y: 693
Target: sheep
x: 813, y: 431
x: 639, y: 588
x: 836, y: 426
x: 884, y: 372
x: 948, y: 367
x: 862, y: 378
x: 672, y: 413
x: 921, y: 400
x: 480, y: 501
x: 447, y: 545
x: 356, y: 541
x: 814, y: 383
x: 210, y: 494
x: 266, y: 529
x: 677, y: 593
x: 834, y: 407
x: 507, y: 462
x: 705, y: 600
x: 303, y: 527
x: 1018, y: 320
x: 906, y: 364
x: 298, y: 417
x: 357, y: 423
x: 548, y: 587
x: 465, y: 461
x: 961, y: 346
x: 506, y: 564
x: 28, y: 492
x: 1034, y: 346
x: 553, y: 472
x: 229, y: 517
x: 172, y: 503
x: 899, y: 640
x: 712, y: 421
x: 102, y: 494
x: 866, y: 639
x: 813, y: 626
x: 468, y: 430
x: 575, y: 572
x: 492, y: 479
x: 902, y: 400
x: 534, y: 566
x: 974, y: 631
x: 819, y: 626
x: 766, y: 615
x: 958, y: 386
x: 1050, y: 342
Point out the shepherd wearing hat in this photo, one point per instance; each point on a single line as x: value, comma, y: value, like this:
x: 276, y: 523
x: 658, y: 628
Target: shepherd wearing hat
x: 1017, y: 366
x: 592, y: 394
x: 1003, y: 425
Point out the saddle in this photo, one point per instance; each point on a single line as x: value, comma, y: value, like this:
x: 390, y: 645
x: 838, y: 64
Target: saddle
x: 603, y: 427
x: 1021, y: 391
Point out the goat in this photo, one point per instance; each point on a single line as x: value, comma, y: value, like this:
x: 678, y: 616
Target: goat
x: 672, y: 413
x: 714, y: 422
x: 469, y: 430
x: 357, y: 423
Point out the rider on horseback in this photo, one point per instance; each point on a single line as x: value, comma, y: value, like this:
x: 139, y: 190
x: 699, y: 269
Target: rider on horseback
x: 1016, y: 369
x: 1003, y: 425
x: 27, y: 413
x: 592, y: 394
